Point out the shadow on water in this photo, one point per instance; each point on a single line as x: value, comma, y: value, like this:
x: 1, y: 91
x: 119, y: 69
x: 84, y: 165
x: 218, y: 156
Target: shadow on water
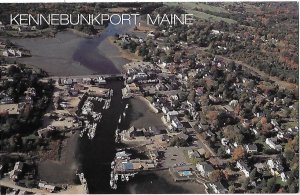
x: 87, y: 52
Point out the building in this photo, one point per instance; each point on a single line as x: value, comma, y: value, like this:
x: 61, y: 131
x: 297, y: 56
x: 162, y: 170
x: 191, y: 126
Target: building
x: 176, y: 123
x: 275, y: 167
x: 251, y: 148
x: 271, y: 143
x: 218, y: 188
x: 243, y: 167
x: 204, y: 169
x: 50, y: 188
x: 193, y: 154
x: 171, y: 114
x: 17, y: 171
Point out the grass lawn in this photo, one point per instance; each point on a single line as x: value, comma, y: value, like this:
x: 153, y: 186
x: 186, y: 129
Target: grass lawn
x: 189, y: 7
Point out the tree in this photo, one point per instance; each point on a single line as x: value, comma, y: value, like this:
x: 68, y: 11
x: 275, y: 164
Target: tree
x: 253, y: 174
x: 245, y: 183
x: 238, y: 153
x: 271, y: 185
x: 215, y: 176
x: 231, y: 189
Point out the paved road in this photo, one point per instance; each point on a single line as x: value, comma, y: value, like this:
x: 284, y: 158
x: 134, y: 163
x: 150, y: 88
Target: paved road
x: 207, y: 148
x: 10, y: 184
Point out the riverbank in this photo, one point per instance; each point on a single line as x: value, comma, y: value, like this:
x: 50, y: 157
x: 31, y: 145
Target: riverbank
x: 122, y: 52
x: 82, y: 34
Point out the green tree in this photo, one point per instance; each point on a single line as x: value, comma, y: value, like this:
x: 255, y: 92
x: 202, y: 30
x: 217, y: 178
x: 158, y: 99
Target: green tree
x: 245, y: 183
x: 252, y: 174
x: 271, y: 185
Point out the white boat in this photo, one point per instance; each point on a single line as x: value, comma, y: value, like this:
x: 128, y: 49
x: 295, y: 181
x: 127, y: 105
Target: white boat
x: 126, y: 106
x: 120, y: 119
x: 124, y: 114
x: 127, y: 177
x: 113, y: 185
x: 111, y: 182
x: 122, y: 177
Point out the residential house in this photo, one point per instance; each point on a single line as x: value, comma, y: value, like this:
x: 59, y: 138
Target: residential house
x: 193, y: 154
x: 50, y: 188
x: 243, y: 167
x: 205, y: 169
x: 260, y: 167
x: 275, y: 166
x: 171, y: 115
x: 15, y: 173
x: 176, y: 123
x: 218, y: 188
x: 271, y: 142
x: 251, y: 148
x: 224, y: 141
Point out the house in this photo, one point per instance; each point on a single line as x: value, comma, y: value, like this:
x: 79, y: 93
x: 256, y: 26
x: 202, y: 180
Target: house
x: 260, y: 167
x: 165, y: 137
x: 47, y: 187
x: 275, y: 167
x: 204, y: 169
x: 218, y: 188
x: 251, y: 148
x: 176, y: 123
x: 154, y: 154
x: 140, y: 76
x: 193, y: 154
x: 285, y: 176
x: 243, y: 167
x: 271, y: 143
x: 15, y: 173
x: 171, y: 114
x: 183, y: 136
x: 68, y: 81
x: 45, y: 131
x: 224, y: 141
x: 228, y: 150
x: 201, y: 151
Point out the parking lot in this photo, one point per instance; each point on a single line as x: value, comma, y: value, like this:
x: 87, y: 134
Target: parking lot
x: 174, y: 155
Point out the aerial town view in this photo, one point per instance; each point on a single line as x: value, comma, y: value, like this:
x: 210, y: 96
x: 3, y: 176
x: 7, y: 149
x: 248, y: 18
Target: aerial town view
x: 149, y: 98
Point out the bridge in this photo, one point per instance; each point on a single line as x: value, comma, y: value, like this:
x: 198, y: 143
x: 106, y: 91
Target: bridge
x: 92, y: 76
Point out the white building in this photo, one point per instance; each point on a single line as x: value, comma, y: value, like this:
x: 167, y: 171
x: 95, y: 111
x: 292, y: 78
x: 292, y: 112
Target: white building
x: 243, y: 167
x: 271, y: 144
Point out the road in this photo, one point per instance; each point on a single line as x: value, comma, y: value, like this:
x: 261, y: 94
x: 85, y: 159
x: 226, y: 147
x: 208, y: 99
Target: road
x: 207, y: 148
x: 10, y: 184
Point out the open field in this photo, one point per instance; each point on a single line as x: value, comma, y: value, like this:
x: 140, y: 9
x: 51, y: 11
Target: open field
x: 192, y: 9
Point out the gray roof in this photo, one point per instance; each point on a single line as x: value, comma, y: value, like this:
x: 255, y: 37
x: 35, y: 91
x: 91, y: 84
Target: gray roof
x: 207, y: 167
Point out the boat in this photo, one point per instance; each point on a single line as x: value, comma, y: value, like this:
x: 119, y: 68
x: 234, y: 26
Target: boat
x: 116, y: 177
x: 113, y: 185
x: 124, y: 114
x: 126, y: 106
x: 127, y: 177
x: 122, y: 177
x: 120, y: 119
